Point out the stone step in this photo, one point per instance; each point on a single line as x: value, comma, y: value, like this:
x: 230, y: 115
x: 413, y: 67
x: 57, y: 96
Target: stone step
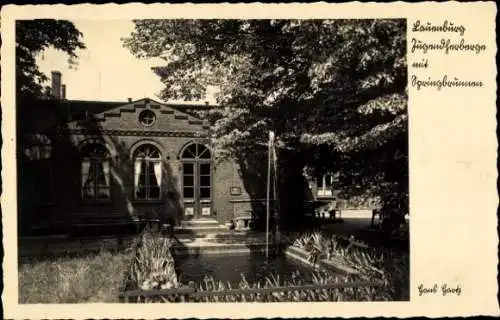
x: 198, y: 230
x: 180, y: 250
x: 215, y: 234
x: 200, y: 223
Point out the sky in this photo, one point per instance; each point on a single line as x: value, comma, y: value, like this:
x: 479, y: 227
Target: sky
x: 106, y: 70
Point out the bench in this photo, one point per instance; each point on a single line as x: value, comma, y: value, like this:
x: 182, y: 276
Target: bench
x: 328, y: 212
x: 244, y: 221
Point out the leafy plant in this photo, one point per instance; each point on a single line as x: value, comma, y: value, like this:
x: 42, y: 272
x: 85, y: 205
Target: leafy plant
x: 153, y: 267
x: 302, y: 241
x: 390, y: 266
x: 209, y: 284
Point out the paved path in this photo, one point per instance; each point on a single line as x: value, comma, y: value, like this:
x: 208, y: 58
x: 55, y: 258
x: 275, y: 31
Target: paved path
x: 47, y: 246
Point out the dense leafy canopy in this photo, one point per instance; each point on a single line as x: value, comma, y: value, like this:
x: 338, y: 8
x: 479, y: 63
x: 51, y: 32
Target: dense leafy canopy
x: 32, y: 38
x: 333, y: 91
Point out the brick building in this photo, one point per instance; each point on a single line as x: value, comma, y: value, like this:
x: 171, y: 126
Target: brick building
x: 135, y: 159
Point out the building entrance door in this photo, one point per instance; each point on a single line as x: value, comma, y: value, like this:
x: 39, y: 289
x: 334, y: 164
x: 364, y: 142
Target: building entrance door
x: 197, y: 181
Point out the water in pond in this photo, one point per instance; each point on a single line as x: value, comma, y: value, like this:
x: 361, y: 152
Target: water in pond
x: 229, y: 268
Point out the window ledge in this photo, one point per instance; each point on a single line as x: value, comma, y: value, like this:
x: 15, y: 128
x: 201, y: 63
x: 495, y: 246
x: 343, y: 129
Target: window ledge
x: 324, y: 198
x: 144, y: 201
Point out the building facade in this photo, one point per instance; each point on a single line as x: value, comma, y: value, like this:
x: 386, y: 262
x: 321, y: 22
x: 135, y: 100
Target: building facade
x: 137, y: 158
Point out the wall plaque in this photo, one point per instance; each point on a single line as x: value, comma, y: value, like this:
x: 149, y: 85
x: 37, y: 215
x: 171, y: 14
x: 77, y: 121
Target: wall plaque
x: 235, y: 191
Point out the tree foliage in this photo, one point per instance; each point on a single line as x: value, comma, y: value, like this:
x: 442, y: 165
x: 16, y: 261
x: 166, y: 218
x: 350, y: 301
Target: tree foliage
x: 32, y: 38
x: 329, y: 89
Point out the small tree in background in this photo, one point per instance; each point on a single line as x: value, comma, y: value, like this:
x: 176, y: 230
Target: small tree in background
x: 32, y: 38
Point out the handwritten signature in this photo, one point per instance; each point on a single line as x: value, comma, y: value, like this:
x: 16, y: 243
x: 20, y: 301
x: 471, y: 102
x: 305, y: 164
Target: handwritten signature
x: 444, y: 290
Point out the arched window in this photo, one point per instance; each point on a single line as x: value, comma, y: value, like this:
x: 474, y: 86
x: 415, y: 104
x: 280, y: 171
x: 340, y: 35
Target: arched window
x: 196, y: 151
x: 147, y: 172
x: 95, y: 172
x: 197, y: 178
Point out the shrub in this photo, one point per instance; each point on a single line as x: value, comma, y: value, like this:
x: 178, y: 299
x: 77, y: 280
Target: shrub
x: 388, y: 265
x: 153, y: 267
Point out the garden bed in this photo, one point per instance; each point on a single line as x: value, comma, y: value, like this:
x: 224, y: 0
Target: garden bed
x: 329, y: 265
x: 357, y: 259
x: 154, y: 278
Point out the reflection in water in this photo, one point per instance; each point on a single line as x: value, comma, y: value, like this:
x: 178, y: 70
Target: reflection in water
x: 225, y: 268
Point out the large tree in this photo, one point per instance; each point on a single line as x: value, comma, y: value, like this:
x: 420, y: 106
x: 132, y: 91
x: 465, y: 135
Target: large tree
x: 333, y: 91
x: 32, y: 38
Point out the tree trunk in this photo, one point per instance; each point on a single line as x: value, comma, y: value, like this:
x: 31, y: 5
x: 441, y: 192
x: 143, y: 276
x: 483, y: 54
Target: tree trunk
x: 290, y: 193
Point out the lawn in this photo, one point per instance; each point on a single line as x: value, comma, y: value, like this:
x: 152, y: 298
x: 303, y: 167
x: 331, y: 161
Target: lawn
x: 95, y: 277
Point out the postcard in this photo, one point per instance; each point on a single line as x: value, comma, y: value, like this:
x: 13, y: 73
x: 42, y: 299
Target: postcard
x: 249, y: 160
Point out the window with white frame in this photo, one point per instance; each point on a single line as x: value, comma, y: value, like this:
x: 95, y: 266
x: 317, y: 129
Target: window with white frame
x: 95, y: 173
x: 147, y: 172
x: 325, y: 185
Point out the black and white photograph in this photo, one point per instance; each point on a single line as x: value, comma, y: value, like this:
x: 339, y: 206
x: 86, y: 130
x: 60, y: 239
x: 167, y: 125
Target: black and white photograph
x: 212, y: 160
x: 249, y: 160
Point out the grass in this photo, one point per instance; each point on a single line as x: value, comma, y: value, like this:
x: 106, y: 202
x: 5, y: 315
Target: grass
x: 96, y: 277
